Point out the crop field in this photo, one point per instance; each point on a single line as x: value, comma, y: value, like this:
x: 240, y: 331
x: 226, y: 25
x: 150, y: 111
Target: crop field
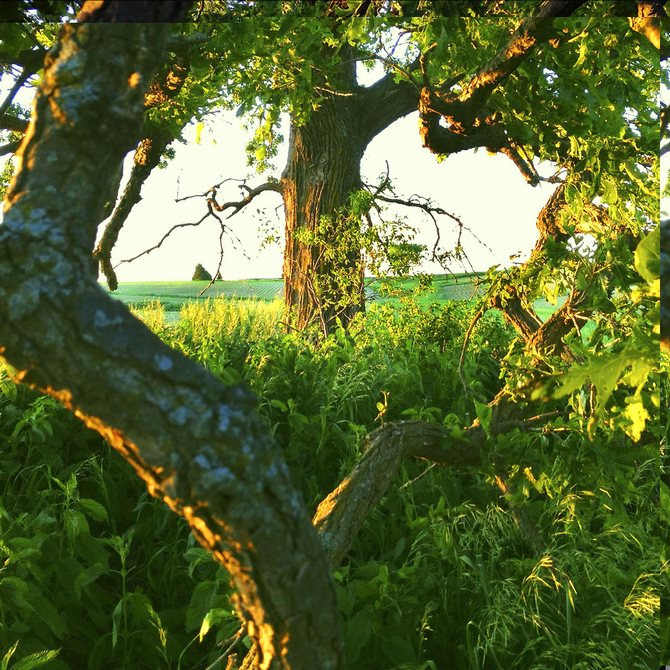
x: 174, y: 295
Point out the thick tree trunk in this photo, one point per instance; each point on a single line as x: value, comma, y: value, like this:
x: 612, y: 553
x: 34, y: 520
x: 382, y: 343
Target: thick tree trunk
x: 198, y: 445
x: 323, y: 267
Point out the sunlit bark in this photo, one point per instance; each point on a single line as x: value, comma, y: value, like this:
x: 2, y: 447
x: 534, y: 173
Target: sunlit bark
x: 198, y: 445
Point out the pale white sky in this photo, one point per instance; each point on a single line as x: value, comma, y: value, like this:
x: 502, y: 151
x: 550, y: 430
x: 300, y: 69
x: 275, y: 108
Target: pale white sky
x: 486, y: 192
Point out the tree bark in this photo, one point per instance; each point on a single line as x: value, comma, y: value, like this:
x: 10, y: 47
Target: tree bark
x: 162, y: 90
x: 323, y: 267
x: 147, y: 157
x: 198, y: 445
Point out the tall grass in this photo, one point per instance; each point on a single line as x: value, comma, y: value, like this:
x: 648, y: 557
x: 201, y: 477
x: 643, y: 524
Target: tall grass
x: 441, y: 576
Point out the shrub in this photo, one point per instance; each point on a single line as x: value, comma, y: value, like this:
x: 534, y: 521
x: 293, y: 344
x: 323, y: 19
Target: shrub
x: 201, y: 274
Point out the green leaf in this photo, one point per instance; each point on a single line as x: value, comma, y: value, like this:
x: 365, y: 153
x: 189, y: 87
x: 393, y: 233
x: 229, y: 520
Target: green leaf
x: 88, y: 576
x: 213, y: 617
x: 93, y: 509
x: 357, y: 633
x: 198, y: 131
x: 7, y: 657
x: 637, y: 415
x: 36, y: 660
x: 484, y: 414
x: 648, y: 256
x: 75, y: 524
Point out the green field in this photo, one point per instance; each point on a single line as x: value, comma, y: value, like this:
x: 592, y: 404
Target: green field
x: 173, y: 295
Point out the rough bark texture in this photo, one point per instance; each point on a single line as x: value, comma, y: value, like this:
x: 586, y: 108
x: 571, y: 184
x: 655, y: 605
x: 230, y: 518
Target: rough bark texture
x: 648, y: 22
x: 323, y: 281
x: 198, y: 445
x: 341, y: 514
x: 161, y: 91
x: 323, y: 169
x: 147, y: 156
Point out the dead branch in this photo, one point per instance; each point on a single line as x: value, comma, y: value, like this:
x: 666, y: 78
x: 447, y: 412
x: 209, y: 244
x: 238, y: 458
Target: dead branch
x: 160, y: 242
x: 270, y: 185
x: 212, y: 208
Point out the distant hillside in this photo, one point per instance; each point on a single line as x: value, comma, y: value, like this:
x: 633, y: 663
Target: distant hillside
x: 173, y: 294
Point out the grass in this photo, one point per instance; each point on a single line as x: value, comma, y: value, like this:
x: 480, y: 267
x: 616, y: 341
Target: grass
x: 441, y: 575
x: 173, y: 296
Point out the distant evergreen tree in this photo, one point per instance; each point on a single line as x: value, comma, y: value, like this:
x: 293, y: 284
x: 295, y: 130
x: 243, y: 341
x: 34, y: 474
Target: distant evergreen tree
x: 218, y: 276
x: 201, y: 274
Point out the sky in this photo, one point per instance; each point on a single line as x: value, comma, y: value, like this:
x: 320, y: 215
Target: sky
x: 486, y: 192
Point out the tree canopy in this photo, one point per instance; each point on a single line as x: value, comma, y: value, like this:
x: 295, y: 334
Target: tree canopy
x: 568, y: 91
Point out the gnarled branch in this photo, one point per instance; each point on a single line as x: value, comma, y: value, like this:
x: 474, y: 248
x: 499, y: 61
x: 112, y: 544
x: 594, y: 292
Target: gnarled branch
x: 197, y: 444
x: 467, y: 126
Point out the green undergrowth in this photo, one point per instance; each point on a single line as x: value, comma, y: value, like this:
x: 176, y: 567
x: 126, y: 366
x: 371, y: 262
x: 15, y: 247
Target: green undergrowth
x: 96, y: 574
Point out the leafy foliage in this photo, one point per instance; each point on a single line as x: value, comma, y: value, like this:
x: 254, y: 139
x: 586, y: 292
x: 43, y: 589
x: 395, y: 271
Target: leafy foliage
x: 96, y: 569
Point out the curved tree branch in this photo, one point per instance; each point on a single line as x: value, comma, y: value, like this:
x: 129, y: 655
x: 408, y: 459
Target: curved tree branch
x: 164, y: 87
x: 237, y: 206
x: 341, y: 514
x: 147, y: 157
x: 648, y: 20
x: 467, y: 125
x: 15, y: 123
x: 197, y: 444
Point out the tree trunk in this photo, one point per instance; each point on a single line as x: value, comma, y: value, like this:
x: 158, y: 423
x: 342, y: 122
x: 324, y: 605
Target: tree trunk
x: 198, y: 445
x: 323, y: 266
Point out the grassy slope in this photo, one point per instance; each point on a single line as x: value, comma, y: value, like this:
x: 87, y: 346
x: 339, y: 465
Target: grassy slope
x: 175, y: 294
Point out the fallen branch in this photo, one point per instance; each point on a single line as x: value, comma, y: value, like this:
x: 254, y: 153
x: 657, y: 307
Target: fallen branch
x: 341, y: 514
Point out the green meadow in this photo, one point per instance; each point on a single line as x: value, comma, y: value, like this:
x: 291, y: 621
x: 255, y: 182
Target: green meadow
x: 175, y: 294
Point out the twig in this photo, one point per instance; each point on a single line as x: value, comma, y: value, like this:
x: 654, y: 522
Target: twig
x: 20, y: 81
x: 236, y: 640
x: 208, y: 191
x: 418, y: 477
x: 218, y: 268
x: 156, y: 246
